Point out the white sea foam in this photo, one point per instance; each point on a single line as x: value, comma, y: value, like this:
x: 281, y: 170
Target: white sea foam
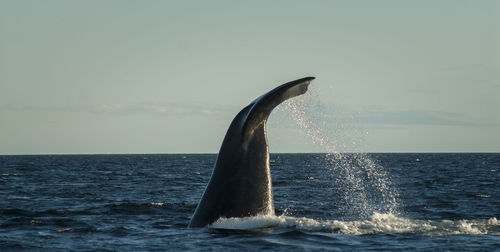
x: 157, y: 203
x: 378, y: 223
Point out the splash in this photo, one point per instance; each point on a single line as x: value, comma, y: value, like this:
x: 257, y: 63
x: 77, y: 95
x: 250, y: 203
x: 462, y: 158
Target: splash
x: 377, y: 223
x: 362, y: 184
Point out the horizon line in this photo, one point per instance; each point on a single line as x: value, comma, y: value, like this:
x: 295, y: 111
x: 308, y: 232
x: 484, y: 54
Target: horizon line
x: 272, y: 153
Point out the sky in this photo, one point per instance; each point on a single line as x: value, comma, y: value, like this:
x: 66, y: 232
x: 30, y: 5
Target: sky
x: 92, y: 77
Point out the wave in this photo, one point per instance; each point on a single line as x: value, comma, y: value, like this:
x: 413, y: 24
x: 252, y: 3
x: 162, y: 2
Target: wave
x: 117, y: 208
x: 378, y: 223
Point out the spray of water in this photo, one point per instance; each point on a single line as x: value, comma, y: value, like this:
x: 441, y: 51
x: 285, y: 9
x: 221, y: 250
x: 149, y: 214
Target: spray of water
x: 363, y: 186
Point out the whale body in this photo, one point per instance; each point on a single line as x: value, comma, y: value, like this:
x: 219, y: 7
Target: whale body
x: 240, y: 185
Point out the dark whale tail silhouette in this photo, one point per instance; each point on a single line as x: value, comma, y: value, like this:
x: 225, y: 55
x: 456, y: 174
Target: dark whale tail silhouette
x: 240, y: 185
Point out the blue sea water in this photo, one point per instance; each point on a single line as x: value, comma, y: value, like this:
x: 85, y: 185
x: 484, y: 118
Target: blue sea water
x: 333, y: 202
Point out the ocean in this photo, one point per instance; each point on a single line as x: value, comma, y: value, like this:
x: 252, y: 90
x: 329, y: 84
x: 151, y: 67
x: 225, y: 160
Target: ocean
x: 324, y: 201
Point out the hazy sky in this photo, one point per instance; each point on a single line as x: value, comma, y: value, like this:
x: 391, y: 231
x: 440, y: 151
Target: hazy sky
x: 169, y: 76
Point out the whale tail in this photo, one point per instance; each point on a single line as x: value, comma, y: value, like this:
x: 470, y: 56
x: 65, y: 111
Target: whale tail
x: 240, y: 184
x: 262, y: 107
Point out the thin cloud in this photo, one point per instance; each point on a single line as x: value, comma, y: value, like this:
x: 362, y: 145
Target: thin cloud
x: 414, y: 117
x: 170, y: 109
x: 158, y: 109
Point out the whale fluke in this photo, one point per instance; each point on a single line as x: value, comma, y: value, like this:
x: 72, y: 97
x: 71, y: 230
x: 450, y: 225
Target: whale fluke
x: 240, y: 185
